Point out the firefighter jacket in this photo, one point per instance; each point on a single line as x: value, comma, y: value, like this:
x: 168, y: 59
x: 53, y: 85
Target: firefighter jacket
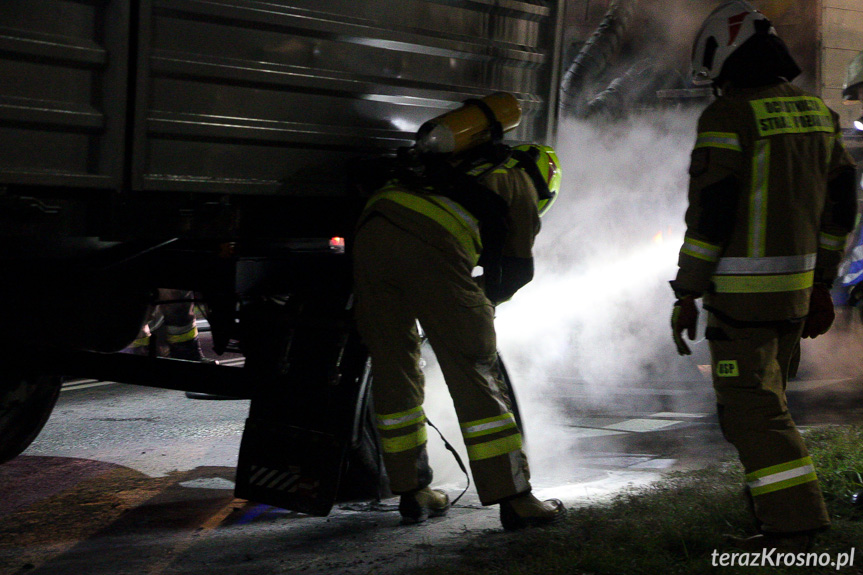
x: 445, y: 224
x: 771, y: 201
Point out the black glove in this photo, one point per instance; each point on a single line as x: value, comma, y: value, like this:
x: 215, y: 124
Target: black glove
x: 684, y: 316
x: 821, y: 313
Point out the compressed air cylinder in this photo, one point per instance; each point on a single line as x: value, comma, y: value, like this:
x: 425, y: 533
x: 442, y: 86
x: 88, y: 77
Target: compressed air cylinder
x: 469, y: 125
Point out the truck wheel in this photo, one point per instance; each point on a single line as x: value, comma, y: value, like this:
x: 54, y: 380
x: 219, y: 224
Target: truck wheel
x: 26, y: 403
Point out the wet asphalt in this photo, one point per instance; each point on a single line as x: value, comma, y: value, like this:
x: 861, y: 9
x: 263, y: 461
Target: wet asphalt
x: 131, y: 480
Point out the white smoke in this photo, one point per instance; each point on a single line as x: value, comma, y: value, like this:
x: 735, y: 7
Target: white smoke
x: 597, y: 313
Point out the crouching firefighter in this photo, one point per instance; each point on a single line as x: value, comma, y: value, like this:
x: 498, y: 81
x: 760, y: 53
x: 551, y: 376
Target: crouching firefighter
x: 457, y: 199
x: 771, y: 201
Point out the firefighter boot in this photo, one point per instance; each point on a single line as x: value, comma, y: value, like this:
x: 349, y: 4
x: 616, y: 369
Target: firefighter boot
x: 189, y: 350
x: 419, y: 505
x: 525, y: 510
x: 787, y: 543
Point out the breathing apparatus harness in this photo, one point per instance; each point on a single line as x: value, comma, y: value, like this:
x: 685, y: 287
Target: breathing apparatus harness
x: 458, y: 176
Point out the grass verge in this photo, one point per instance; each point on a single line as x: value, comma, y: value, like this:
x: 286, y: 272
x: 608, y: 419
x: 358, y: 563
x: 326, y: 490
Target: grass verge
x: 674, y: 525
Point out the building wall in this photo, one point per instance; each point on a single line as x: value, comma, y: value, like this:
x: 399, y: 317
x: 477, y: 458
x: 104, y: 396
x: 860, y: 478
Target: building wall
x: 841, y: 40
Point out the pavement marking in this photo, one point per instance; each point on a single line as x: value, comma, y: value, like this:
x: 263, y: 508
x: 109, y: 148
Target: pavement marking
x: 642, y: 425
x: 208, y: 483
x: 673, y: 414
x: 587, y: 432
x: 84, y: 384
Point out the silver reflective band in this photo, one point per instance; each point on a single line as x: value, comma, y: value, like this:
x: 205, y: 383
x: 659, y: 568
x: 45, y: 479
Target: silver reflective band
x: 766, y: 265
x: 781, y: 476
x: 399, y: 421
x: 504, y: 421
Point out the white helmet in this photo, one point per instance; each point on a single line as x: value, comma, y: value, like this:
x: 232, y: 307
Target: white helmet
x: 723, y: 32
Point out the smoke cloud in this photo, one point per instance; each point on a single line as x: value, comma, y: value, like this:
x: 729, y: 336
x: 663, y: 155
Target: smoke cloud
x: 595, y: 319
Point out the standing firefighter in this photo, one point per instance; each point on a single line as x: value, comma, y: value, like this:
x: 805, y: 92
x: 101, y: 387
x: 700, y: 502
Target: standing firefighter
x: 418, y: 241
x: 771, y: 200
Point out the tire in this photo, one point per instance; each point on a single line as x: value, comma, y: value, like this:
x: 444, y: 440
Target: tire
x: 26, y: 402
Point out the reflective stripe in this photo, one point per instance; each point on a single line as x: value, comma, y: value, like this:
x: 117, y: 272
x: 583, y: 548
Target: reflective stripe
x: 831, y: 242
x: 487, y: 426
x: 791, y: 115
x: 763, y: 283
x: 700, y: 250
x: 449, y: 214
x: 181, y: 337
x: 781, y: 476
x: 758, y: 198
x: 766, y: 265
x: 404, y: 442
x: 494, y: 448
x: 723, y: 140
x: 401, y: 419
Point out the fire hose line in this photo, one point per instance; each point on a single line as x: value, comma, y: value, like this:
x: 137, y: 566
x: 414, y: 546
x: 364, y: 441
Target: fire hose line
x: 596, y: 55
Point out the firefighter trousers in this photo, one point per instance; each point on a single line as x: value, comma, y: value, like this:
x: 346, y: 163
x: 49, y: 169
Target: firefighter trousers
x: 400, y: 279
x: 750, y: 373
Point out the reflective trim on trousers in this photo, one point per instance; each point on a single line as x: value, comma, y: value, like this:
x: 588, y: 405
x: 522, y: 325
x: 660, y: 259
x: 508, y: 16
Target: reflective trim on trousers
x: 489, y: 449
x: 831, y: 242
x: 781, y: 476
x: 402, y: 419
x: 181, y: 337
x: 405, y: 442
x: 482, y: 427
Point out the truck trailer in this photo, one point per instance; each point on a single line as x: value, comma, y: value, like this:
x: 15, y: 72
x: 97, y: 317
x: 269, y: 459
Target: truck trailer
x: 208, y: 145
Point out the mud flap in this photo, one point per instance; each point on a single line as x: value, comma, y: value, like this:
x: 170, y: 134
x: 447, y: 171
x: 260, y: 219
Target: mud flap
x: 289, y: 467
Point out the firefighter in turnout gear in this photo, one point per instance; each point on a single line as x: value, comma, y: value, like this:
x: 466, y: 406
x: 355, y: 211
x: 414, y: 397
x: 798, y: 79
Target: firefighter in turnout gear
x: 771, y: 201
x: 419, y: 239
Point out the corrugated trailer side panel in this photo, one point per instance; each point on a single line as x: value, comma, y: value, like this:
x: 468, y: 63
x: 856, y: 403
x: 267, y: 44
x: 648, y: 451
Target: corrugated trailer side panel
x: 63, y: 66
x: 274, y: 97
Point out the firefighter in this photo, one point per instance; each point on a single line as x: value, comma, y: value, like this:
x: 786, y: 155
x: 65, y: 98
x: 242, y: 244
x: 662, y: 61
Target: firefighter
x: 414, y: 254
x: 851, y: 270
x: 178, y: 316
x: 771, y: 201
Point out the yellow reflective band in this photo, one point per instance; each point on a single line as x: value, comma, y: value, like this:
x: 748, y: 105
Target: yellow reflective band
x: 727, y: 368
x: 700, y: 250
x: 459, y: 223
x: 181, y: 337
x: 763, y: 283
x: 723, y: 140
x: 792, y: 115
x: 405, y: 442
x: 781, y: 476
x: 141, y: 342
x: 401, y: 419
x: 494, y: 448
x: 758, y: 199
x: 487, y: 426
x: 832, y: 243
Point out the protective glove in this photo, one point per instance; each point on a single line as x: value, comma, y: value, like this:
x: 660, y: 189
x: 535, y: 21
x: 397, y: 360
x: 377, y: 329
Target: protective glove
x: 684, y: 316
x: 821, y: 313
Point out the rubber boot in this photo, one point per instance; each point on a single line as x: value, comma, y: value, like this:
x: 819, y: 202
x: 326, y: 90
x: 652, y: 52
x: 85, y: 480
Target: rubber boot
x: 419, y: 505
x: 525, y: 510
